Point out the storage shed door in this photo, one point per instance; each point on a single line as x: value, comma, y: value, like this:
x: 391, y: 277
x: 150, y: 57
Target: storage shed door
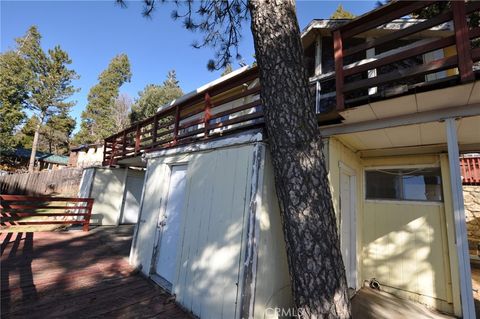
x: 170, y: 225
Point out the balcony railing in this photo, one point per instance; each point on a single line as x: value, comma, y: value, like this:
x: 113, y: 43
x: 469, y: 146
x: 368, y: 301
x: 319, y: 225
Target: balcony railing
x: 222, y: 109
x: 470, y: 170
x: 398, y: 65
x: 458, y: 55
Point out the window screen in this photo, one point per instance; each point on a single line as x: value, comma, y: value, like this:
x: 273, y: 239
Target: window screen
x: 424, y: 184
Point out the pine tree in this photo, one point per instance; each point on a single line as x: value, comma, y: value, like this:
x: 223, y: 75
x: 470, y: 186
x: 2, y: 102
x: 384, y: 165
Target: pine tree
x: 97, y: 120
x: 15, y: 80
x: 341, y: 13
x: 154, y: 96
x: 51, y: 82
x: 55, y: 136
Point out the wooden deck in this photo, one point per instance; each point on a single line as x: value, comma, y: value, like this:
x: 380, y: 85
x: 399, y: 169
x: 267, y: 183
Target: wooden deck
x: 75, y: 274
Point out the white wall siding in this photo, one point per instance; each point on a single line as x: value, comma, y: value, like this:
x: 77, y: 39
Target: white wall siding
x: 107, y: 189
x: 212, y: 239
x: 155, y: 189
x: 211, y: 249
x: 273, y: 286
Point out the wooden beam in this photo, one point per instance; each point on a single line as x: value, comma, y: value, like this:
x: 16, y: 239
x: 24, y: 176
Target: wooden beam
x: 176, y: 123
x: 402, y: 55
x: 464, y: 54
x: 381, y: 16
x: 137, y: 138
x: 398, y: 34
x: 437, y: 65
x: 339, y: 78
x: 207, y: 115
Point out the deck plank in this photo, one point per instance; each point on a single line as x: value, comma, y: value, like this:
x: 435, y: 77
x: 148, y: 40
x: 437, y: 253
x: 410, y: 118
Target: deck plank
x: 77, y: 275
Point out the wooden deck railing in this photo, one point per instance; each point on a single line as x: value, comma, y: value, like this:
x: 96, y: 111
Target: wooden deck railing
x: 470, y: 169
x: 23, y: 210
x: 234, y: 105
x: 399, y: 65
x: 455, y: 42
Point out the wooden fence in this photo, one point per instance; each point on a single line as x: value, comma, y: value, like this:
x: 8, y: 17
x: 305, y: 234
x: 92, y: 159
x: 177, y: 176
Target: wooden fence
x: 20, y: 210
x: 63, y: 182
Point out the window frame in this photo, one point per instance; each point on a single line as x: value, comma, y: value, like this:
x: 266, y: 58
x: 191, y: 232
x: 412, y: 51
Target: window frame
x: 397, y: 200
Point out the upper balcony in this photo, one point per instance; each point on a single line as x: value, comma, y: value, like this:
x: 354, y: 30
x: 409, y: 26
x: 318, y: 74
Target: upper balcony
x: 374, y: 57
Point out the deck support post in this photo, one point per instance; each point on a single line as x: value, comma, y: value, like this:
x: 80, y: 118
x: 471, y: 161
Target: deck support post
x: 462, y: 38
x: 176, y: 123
x: 339, y: 78
x: 137, y: 139
x: 466, y: 294
x: 208, y: 105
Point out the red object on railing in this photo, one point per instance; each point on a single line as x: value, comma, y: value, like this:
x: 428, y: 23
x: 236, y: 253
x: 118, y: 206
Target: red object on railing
x: 470, y: 170
x: 14, y: 208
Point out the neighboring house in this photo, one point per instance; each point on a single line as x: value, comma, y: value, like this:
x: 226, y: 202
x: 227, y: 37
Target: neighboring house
x: 19, y: 158
x: 86, y: 155
x: 396, y: 106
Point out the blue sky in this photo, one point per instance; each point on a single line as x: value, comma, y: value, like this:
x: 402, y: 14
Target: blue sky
x: 93, y: 32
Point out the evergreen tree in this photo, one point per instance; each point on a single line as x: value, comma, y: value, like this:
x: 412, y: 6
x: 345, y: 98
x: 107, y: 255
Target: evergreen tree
x: 55, y: 136
x: 97, y: 119
x: 15, y: 80
x: 51, y: 82
x: 24, y: 137
x: 341, y: 13
x: 154, y: 96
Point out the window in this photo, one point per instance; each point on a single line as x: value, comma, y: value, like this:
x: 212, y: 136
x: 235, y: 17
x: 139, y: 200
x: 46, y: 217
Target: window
x: 421, y: 184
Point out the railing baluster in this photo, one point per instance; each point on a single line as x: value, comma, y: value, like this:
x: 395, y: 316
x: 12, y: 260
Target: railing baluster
x: 155, y: 129
x: 124, y: 143
x: 339, y: 78
x: 104, y: 162
x: 464, y: 50
x: 86, y: 222
x: 112, y: 156
x: 176, y: 124
x: 137, y: 139
x: 207, y: 115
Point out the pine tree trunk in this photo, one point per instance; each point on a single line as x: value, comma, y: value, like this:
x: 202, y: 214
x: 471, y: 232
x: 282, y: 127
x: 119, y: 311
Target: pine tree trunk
x: 313, y: 246
x: 31, y: 165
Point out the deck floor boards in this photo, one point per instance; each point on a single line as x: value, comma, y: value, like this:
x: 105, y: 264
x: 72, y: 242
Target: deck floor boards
x: 75, y: 274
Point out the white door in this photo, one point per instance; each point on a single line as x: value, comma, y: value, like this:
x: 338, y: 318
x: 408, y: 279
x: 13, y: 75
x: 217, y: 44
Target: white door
x: 133, y: 193
x: 347, y: 224
x: 169, y: 226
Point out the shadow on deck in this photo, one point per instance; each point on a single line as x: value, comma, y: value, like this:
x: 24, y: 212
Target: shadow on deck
x: 75, y: 274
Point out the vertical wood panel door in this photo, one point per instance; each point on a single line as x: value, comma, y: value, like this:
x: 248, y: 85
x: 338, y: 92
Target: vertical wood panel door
x: 347, y: 224
x: 169, y: 226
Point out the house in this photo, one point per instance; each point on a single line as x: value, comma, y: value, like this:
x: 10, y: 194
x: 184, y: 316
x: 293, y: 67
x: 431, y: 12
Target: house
x: 19, y: 158
x: 86, y: 155
x: 396, y: 106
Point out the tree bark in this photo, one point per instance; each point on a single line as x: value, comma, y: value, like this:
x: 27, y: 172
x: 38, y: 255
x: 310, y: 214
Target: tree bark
x: 313, y: 246
x: 31, y: 164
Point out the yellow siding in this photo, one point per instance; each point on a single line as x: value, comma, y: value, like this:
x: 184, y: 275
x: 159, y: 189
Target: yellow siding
x: 339, y: 153
x: 405, y: 244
